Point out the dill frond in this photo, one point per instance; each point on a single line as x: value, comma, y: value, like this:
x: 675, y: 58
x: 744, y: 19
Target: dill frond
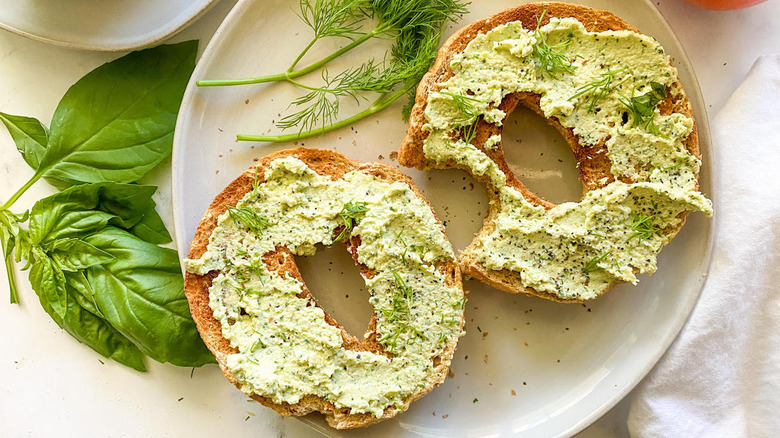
x: 678, y: 163
x: 333, y: 18
x: 469, y: 132
x: 399, y: 311
x: 593, y: 264
x: 405, y: 15
x: 642, y: 226
x: 642, y: 108
x: 465, y: 105
x: 351, y: 214
x: 594, y: 92
x: 248, y: 218
x: 416, y: 27
x: 550, y: 59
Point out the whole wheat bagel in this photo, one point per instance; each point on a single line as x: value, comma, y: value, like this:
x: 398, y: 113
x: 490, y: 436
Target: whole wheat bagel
x: 222, y: 312
x: 596, y: 168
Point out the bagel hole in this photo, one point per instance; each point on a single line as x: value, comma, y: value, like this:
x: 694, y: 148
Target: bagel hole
x: 336, y: 284
x: 460, y: 202
x: 540, y: 157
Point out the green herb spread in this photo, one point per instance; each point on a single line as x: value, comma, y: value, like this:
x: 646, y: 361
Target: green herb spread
x: 286, y: 349
x: 606, y: 87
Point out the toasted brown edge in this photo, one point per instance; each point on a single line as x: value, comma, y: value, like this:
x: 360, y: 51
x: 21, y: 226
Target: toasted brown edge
x: 335, y: 165
x: 593, y: 163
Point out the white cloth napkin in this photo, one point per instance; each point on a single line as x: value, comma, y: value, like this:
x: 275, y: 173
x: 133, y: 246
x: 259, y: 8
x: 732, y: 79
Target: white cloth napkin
x: 721, y: 376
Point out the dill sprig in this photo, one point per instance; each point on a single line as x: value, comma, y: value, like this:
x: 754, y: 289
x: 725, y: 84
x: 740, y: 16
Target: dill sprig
x: 248, y: 218
x: 594, y: 92
x: 333, y: 18
x: 469, y: 114
x: 551, y: 59
x: 469, y: 132
x: 351, y: 214
x: 593, y: 264
x: 642, y: 226
x: 419, y: 54
x: 642, y: 107
x: 401, y: 301
x: 465, y: 105
x: 678, y: 163
x: 324, y: 101
x: 415, y: 25
x: 258, y: 343
x: 400, y: 309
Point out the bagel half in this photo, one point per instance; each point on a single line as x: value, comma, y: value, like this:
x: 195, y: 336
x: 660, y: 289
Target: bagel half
x: 335, y: 166
x: 594, y: 164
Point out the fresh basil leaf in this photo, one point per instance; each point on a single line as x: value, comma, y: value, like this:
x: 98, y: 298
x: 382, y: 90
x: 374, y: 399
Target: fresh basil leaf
x: 57, y: 299
x: 128, y: 202
x: 80, y: 289
x: 100, y: 336
x: 141, y: 294
x: 116, y: 123
x: 29, y: 135
x: 48, y: 282
x: 72, y: 254
x: 151, y: 228
x: 86, y: 208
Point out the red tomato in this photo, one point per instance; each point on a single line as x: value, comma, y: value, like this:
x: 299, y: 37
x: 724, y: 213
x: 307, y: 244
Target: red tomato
x: 724, y: 4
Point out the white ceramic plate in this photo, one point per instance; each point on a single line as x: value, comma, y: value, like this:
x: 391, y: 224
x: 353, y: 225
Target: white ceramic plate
x: 100, y: 24
x: 527, y: 366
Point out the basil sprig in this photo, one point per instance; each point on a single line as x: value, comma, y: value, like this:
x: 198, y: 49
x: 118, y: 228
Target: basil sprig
x: 92, y: 249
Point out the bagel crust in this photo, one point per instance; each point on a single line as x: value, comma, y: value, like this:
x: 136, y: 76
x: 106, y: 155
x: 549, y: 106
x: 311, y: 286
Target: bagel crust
x: 269, y: 335
x: 614, y: 96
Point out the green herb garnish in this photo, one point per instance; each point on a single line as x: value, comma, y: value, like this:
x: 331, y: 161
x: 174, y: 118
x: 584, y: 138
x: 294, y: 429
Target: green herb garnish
x: 400, y: 308
x: 592, y: 265
x: 415, y: 25
x: 465, y: 105
x: 550, y: 58
x: 642, y: 226
x: 642, y: 108
x: 255, y: 345
x: 597, y: 90
x: 401, y: 299
x: 92, y: 249
x: 248, y: 218
x: 469, y: 132
x: 351, y: 214
x: 469, y: 114
x: 678, y: 163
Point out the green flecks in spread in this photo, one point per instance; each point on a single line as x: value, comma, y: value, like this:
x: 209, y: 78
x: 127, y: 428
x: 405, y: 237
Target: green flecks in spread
x: 492, y: 142
x: 606, y: 87
x: 286, y: 349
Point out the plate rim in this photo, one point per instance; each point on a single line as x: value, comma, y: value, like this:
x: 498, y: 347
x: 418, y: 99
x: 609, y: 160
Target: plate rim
x: 693, y: 90
x: 171, y: 28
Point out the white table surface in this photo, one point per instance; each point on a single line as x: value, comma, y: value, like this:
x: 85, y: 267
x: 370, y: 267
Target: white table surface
x: 78, y: 395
